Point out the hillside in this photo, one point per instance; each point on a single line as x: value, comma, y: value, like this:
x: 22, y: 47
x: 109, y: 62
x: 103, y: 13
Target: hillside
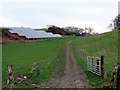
x: 57, y: 57
x: 103, y: 44
x: 22, y: 56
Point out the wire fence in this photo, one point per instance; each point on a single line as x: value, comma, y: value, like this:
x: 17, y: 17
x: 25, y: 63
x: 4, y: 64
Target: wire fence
x: 36, y: 66
x: 82, y: 55
x: 93, y: 63
x: 96, y: 66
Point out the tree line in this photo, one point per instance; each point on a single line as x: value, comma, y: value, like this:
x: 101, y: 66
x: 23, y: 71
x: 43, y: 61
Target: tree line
x: 71, y: 30
x: 115, y: 25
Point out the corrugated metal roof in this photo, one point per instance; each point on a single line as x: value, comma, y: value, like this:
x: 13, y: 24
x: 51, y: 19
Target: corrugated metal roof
x: 31, y: 33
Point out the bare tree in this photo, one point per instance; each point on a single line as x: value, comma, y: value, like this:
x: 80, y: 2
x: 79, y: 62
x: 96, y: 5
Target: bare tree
x: 115, y: 25
x: 90, y: 29
x: 74, y: 30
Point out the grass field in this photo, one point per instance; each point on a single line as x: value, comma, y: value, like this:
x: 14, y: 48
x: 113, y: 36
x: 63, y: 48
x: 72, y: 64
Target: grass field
x: 45, y: 29
x: 23, y: 55
x: 103, y: 44
x: 51, y: 53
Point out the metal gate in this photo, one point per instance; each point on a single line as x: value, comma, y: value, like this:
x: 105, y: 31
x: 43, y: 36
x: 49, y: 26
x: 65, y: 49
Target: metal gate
x: 94, y: 65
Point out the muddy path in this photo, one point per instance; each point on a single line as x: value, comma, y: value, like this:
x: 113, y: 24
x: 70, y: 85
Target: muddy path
x: 74, y: 76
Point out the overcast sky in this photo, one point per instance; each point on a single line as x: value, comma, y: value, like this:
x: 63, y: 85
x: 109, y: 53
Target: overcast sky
x: 40, y: 13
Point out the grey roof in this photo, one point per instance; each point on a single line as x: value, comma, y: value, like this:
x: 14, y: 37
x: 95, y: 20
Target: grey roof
x: 31, y: 33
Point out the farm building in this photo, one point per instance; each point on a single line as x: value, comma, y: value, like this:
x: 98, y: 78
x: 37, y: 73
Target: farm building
x: 31, y: 33
x: 13, y: 34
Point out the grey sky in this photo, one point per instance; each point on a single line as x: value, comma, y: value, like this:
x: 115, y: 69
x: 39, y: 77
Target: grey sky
x: 40, y: 13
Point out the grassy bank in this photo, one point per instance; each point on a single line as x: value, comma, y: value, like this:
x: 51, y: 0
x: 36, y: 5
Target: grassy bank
x: 45, y: 29
x: 23, y: 55
x: 103, y: 44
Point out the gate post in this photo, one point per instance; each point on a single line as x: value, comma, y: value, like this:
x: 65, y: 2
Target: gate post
x: 102, y: 67
x: 10, y: 77
x: 118, y: 77
x: 37, y: 68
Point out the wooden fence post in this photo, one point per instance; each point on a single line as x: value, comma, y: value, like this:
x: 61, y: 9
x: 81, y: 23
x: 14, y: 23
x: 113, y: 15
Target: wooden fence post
x: 118, y: 77
x: 10, y: 77
x: 37, y: 68
x: 102, y: 67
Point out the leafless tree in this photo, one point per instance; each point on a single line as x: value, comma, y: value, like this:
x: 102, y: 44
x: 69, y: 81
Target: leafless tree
x: 115, y: 25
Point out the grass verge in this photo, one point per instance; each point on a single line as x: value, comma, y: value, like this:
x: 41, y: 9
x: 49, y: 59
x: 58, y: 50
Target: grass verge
x: 103, y: 44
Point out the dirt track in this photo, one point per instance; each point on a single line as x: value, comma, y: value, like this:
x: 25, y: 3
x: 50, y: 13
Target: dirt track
x: 74, y: 76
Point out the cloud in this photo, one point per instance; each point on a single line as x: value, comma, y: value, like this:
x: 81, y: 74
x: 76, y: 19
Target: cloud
x: 59, y: 1
x: 7, y: 22
x: 40, y: 13
x: 81, y: 24
x: 63, y: 22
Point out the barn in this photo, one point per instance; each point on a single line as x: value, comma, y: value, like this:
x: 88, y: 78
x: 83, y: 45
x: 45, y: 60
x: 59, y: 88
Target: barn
x: 21, y: 34
x: 31, y: 33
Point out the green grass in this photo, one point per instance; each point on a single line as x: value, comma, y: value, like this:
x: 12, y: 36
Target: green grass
x: 45, y: 29
x: 103, y: 44
x: 23, y: 55
x: 50, y: 53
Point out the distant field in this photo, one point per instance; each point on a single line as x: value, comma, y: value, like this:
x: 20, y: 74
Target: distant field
x: 23, y: 55
x: 104, y: 44
x: 45, y: 29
